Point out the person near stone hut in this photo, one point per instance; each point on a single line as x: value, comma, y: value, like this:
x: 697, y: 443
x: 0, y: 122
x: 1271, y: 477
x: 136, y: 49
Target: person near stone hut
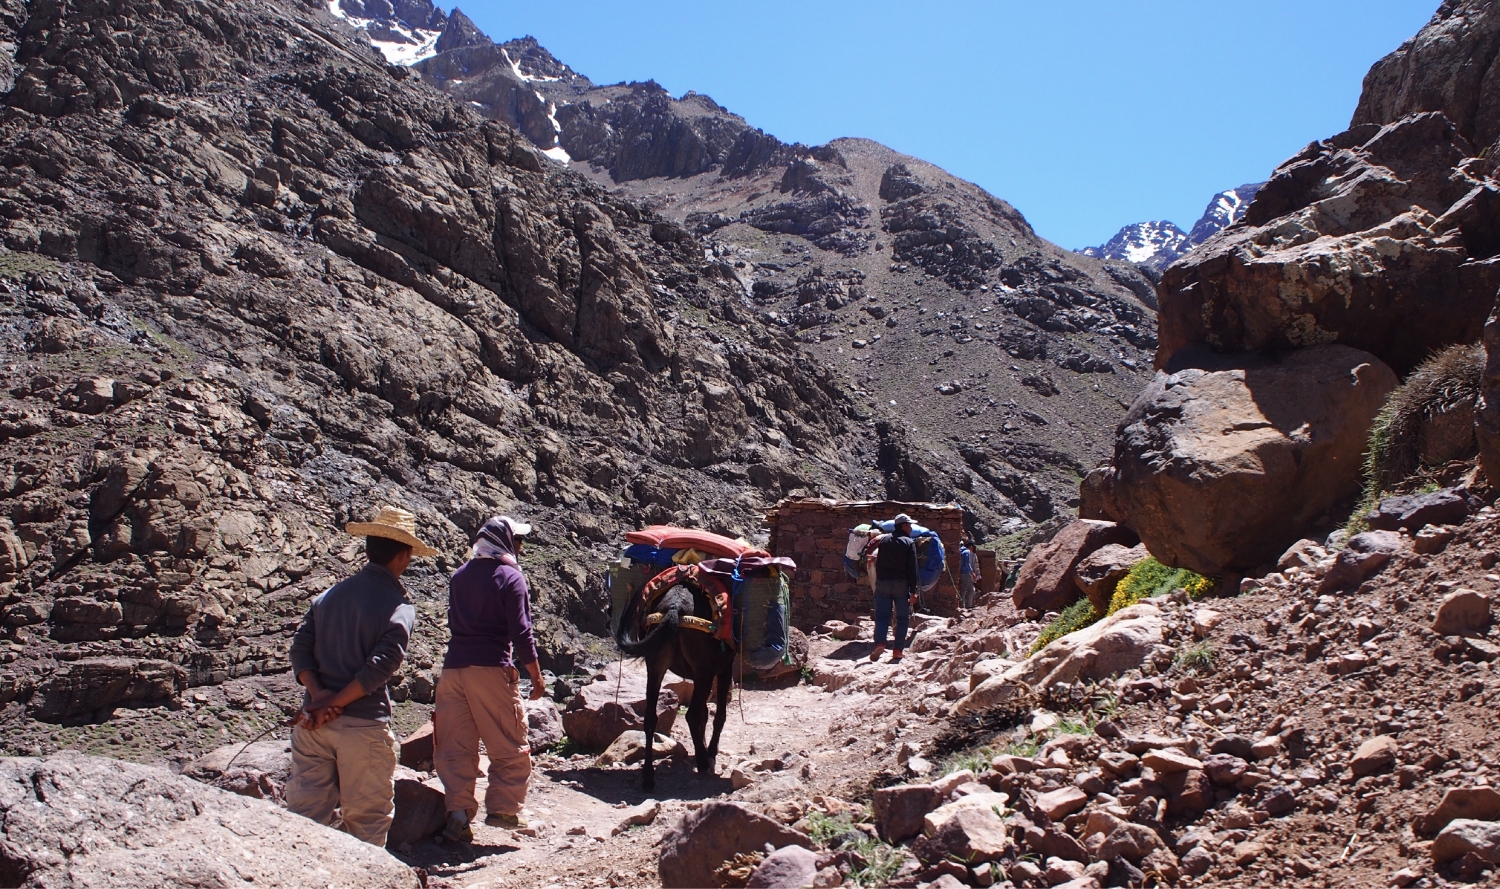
x: 895, y: 585
x: 351, y: 641
x: 966, y: 572
x: 479, y: 692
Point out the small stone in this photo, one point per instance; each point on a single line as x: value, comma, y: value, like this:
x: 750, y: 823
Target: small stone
x: 638, y: 816
x: 1265, y: 748
x: 1023, y: 872
x: 1169, y: 761
x: 1279, y: 802
x: 1406, y: 876
x: 1197, y: 861
x: 1374, y: 756
x: 1118, y: 763
x: 787, y: 868
x: 1060, y: 870
x: 1061, y: 803
x: 1205, y: 620
x: 1433, y: 539
x: 899, y: 811
x: 1462, y: 613
x: 1247, y: 851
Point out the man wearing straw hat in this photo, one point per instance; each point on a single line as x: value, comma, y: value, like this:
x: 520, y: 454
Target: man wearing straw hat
x: 479, y: 693
x: 353, y: 638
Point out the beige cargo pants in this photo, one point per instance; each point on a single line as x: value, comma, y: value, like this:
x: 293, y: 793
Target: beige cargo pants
x: 481, y: 704
x: 347, y: 765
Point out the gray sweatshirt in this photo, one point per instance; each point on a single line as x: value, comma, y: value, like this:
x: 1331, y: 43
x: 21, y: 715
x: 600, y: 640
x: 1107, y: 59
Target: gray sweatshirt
x: 357, y: 630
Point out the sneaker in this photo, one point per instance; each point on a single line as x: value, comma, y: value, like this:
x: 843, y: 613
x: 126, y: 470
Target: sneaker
x: 895, y: 655
x: 875, y: 655
x: 500, y: 819
x: 457, y: 830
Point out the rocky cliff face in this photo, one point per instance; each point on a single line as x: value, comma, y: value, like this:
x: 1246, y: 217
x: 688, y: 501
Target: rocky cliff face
x: 257, y: 282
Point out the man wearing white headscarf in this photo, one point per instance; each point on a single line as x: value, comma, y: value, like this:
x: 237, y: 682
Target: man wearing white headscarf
x: 479, y: 695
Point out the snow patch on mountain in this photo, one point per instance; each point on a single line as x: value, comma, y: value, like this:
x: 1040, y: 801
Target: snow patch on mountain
x: 1155, y: 244
x: 1159, y: 244
x: 401, y: 44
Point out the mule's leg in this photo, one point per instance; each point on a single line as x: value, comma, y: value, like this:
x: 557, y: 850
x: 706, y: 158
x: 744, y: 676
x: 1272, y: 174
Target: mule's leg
x: 724, y: 681
x: 697, y: 717
x: 653, y: 689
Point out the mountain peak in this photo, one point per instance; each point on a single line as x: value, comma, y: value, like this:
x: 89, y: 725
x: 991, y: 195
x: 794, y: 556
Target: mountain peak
x: 1160, y: 243
x: 460, y: 31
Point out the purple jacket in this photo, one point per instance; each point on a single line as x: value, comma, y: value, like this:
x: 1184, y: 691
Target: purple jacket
x: 489, y: 616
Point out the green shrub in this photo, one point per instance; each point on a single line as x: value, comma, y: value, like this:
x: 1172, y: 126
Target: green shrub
x: 976, y: 761
x: 1444, y: 383
x: 1075, y: 617
x: 1150, y: 578
x: 882, y: 861
x: 1199, y: 658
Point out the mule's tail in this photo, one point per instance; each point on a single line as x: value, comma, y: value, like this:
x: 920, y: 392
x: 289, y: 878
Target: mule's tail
x: 655, y: 638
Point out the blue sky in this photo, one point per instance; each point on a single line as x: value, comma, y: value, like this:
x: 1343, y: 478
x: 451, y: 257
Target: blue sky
x: 1086, y: 115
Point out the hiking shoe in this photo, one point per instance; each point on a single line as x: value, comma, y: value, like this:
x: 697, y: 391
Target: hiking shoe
x: 458, y: 831
x: 875, y: 655
x: 895, y: 655
x: 509, y: 822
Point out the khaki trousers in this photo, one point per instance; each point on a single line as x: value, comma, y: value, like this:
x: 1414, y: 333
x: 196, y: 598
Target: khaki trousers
x: 481, y: 704
x: 348, y: 765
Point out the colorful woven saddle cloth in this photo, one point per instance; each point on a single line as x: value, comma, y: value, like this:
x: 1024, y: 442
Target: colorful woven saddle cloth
x: 694, y: 577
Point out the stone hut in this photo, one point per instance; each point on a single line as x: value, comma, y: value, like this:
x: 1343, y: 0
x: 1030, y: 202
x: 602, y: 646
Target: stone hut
x: 813, y: 532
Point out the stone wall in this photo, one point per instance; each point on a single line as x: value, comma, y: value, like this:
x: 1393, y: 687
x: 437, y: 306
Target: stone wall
x: 813, y: 533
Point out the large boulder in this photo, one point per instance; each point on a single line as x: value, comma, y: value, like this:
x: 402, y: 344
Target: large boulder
x: 1048, y: 580
x: 1101, y: 571
x: 614, y: 704
x: 701, y: 842
x: 74, y: 820
x: 1115, y: 644
x: 1220, y: 467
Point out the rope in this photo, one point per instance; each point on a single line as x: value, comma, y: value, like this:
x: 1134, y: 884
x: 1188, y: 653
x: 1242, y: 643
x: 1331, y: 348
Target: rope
x: 274, y: 727
x: 619, y: 677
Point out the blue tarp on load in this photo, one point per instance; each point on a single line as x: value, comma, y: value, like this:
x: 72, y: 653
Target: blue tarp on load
x: 930, y: 553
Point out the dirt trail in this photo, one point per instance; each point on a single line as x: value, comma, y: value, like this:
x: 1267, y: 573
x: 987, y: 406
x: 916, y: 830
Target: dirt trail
x: 575, y: 807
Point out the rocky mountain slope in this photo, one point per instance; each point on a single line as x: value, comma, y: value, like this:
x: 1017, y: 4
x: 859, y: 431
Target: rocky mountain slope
x: 256, y: 282
x: 962, y: 336
x: 1157, y: 245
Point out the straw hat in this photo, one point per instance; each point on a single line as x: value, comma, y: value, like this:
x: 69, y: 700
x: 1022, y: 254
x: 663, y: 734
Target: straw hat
x: 393, y: 524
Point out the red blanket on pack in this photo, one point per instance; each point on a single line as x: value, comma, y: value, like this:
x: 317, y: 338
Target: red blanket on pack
x: 670, y: 537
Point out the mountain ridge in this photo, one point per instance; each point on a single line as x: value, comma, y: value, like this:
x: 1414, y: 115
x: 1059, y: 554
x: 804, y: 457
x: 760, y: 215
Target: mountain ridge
x: 951, y: 321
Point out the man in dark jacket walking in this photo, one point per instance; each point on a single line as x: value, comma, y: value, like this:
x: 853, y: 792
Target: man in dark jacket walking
x: 479, y: 693
x: 895, y: 585
x: 353, y: 638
